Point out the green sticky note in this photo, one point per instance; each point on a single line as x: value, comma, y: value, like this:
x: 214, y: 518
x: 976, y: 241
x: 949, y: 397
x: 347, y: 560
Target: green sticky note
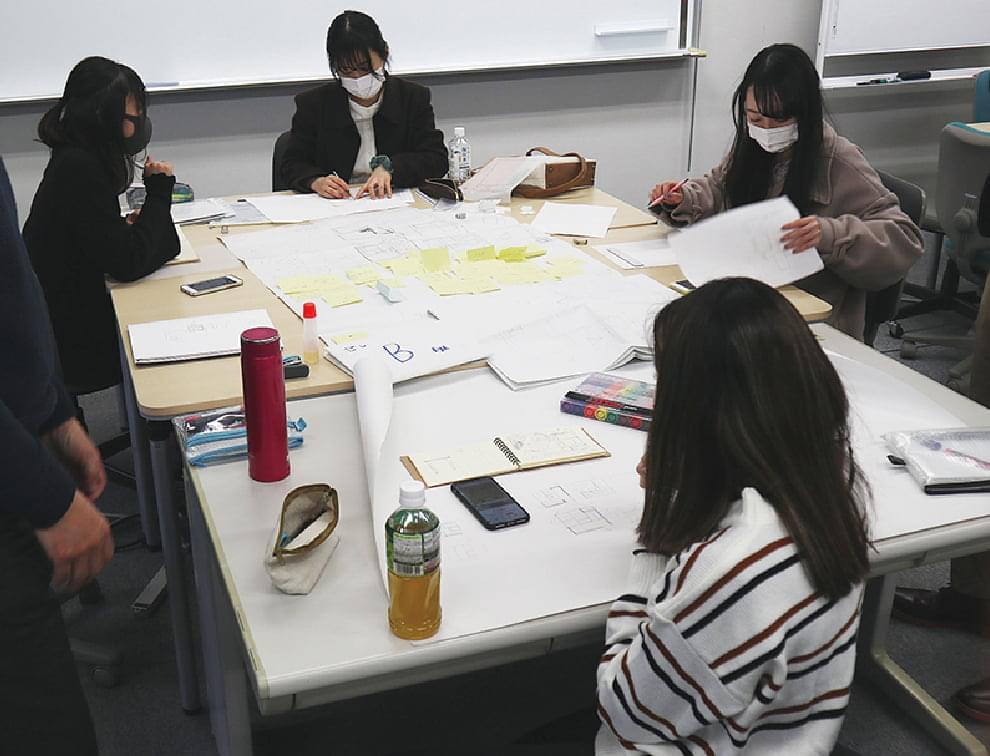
x: 435, y: 259
x: 512, y: 254
x: 481, y: 253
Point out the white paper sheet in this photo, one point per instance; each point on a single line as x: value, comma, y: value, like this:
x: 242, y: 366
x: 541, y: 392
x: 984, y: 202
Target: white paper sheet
x: 199, y: 210
x: 744, y: 242
x: 574, y: 220
x: 193, y: 338
x: 410, y: 351
x: 650, y: 253
x: 499, y: 177
x: 297, y: 208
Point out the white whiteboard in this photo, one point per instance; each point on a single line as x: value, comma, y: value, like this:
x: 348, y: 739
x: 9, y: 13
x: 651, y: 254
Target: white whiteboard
x: 852, y: 27
x: 234, y: 42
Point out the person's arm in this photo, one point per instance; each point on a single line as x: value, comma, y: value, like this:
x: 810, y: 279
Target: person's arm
x: 702, y: 198
x: 298, y: 162
x: 873, y: 248
x: 125, y: 251
x: 426, y: 154
x: 643, y: 696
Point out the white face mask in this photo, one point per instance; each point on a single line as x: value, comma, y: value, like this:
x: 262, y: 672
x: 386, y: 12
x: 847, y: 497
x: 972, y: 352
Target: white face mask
x: 774, y: 140
x: 364, y: 87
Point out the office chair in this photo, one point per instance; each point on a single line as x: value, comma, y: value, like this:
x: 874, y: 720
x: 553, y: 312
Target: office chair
x: 981, y: 98
x: 964, y: 213
x: 881, y: 306
x: 279, y: 184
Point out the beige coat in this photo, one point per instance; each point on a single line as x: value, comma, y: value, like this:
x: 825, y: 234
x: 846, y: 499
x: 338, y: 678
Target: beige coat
x: 867, y: 243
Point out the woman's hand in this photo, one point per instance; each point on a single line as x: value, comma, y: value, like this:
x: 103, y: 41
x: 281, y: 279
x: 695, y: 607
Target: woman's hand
x: 641, y: 469
x: 331, y: 187
x: 151, y: 167
x: 378, y: 185
x: 801, y: 234
x: 671, y: 189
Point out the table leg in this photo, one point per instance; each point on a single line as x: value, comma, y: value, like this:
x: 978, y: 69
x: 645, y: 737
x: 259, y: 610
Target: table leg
x: 226, y: 682
x: 163, y: 466
x: 882, y: 671
x: 142, y: 459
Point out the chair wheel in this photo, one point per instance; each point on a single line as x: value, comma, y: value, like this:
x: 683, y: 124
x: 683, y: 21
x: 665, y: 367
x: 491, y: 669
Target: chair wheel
x: 909, y: 350
x: 895, y: 329
x: 106, y: 677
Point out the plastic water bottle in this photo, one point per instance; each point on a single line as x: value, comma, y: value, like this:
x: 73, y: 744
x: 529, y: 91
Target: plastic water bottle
x: 459, y: 150
x: 412, y: 550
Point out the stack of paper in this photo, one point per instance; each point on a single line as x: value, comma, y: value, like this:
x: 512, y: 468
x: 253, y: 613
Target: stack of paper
x: 574, y: 220
x: 498, y: 177
x: 298, y: 208
x: 193, y: 338
x: 200, y: 211
x: 744, y: 242
x: 409, y: 352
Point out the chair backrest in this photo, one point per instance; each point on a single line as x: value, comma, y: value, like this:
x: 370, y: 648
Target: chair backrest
x: 981, y: 97
x: 278, y: 155
x: 963, y: 167
x: 881, y: 306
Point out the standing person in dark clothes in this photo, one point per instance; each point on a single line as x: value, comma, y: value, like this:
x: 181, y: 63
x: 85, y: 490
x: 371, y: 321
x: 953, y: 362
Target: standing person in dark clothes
x: 51, y: 535
x: 75, y: 234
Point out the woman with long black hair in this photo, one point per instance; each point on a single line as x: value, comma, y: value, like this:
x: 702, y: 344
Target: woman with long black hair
x: 366, y: 126
x: 75, y: 234
x: 784, y: 147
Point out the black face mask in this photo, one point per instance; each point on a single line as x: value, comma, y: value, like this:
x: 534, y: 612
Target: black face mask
x: 141, y: 137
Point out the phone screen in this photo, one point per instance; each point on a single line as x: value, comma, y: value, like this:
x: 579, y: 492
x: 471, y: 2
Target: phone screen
x: 211, y: 283
x: 490, y: 503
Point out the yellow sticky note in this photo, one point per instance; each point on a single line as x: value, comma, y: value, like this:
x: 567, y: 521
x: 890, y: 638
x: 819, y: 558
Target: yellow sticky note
x: 443, y: 283
x: 533, y: 251
x: 341, y: 295
x: 481, y: 284
x: 308, y: 284
x: 435, y: 259
x: 365, y: 274
x: 481, y: 253
x: 565, y: 267
x: 480, y: 267
x: 404, y: 266
x: 349, y: 338
x: 512, y: 254
x: 522, y: 273
x: 393, y: 283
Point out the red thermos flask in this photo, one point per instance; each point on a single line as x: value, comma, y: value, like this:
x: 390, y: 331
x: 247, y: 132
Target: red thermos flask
x: 264, y: 404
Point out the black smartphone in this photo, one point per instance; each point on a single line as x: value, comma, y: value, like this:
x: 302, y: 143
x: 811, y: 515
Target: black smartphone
x: 490, y: 503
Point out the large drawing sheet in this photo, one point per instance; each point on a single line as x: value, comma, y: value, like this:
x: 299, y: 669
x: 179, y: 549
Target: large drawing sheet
x: 583, y: 515
x: 744, y: 242
x: 297, y: 208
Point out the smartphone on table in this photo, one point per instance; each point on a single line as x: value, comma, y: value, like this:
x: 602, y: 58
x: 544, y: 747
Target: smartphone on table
x: 490, y: 503
x: 210, y: 285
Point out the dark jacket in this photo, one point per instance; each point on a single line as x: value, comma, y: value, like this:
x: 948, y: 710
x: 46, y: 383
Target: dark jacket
x: 32, y: 399
x: 76, y: 237
x: 325, y: 140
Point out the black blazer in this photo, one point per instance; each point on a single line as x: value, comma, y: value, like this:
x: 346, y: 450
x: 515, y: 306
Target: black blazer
x: 325, y: 140
x: 75, y: 238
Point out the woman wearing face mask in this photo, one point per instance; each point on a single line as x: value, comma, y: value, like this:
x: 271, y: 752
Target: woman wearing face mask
x: 74, y: 232
x: 783, y: 147
x: 365, y: 127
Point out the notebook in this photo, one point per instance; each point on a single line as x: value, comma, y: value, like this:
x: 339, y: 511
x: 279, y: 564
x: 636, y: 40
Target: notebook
x: 946, y: 460
x: 612, y: 399
x: 504, y: 454
x: 193, y: 338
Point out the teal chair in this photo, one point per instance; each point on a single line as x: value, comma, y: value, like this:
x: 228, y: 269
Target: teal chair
x: 981, y: 98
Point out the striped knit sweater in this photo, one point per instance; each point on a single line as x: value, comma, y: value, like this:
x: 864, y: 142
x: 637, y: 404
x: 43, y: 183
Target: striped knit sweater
x: 726, y: 648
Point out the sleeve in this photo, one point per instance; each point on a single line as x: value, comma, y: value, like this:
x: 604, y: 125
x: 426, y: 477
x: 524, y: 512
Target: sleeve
x: 32, y: 482
x: 426, y: 155
x: 702, y: 197
x: 298, y: 167
x: 653, y: 687
x: 121, y: 250
x: 64, y: 409
x: 874, y: 247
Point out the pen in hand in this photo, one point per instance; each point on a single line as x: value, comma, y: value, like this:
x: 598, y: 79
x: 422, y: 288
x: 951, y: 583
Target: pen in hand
x: 666, y: 195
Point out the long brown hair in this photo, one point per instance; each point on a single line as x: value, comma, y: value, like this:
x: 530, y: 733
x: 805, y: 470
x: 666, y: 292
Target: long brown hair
x: 746, y: 398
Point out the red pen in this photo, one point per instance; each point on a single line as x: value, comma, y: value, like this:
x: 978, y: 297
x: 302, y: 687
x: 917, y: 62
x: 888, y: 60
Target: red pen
x: 659, y: 200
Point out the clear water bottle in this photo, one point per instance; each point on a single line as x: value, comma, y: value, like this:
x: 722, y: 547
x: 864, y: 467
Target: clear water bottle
x: 412, y: 551
x: 459, y: 151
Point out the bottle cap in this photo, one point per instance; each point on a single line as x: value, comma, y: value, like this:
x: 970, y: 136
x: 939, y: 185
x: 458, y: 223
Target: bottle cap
x: 412, y: 493
x: 260, y: 342
x: 309, y: 310
x: 458, y: 131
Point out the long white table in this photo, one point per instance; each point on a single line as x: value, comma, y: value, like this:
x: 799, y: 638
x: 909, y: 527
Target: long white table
x: 258, y: 643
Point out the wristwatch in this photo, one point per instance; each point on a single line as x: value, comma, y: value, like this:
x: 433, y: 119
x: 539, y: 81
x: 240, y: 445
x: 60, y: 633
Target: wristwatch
x: 383, y: 161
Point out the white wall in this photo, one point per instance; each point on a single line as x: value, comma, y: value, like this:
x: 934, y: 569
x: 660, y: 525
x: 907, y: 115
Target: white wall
x: 634, y: 118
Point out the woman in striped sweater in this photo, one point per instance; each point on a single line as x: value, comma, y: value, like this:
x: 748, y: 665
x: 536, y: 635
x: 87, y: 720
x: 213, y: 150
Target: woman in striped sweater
x: 737, y: 630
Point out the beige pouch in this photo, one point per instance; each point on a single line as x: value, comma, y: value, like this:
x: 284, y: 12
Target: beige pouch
x: 304, y: 539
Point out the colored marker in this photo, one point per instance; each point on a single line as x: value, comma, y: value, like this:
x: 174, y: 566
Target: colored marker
x: 660, y: 200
